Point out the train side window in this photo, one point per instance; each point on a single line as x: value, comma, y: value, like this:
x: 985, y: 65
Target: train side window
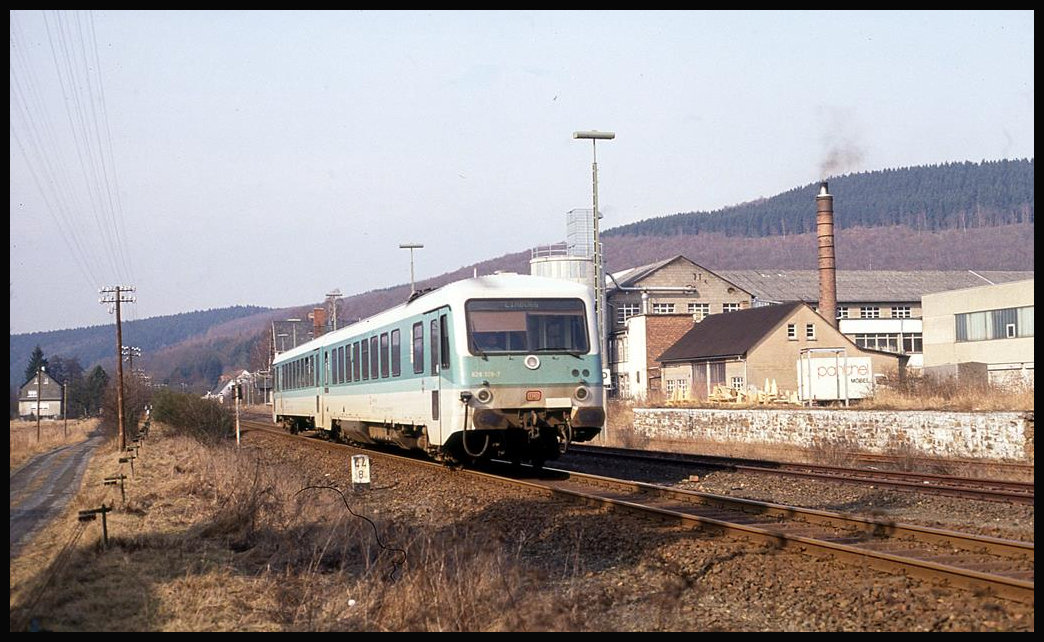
x: 355, y: 361
x: 374, y: 367
x: 385, y: 346
x: 444, y: 342
x: 326, y: 367
x: 434, y: 346
x: 365, y: 359
x: 418, y: 348
x: 396, y: 353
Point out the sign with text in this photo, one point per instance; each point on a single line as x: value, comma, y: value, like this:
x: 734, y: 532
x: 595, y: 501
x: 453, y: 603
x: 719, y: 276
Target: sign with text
x: 360, y: 471
x: 835, y: 378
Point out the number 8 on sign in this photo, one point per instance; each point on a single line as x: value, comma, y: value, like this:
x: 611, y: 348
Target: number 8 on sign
x: 361, y: 471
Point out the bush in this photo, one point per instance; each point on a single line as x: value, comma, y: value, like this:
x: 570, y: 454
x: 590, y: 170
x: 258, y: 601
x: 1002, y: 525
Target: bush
x: 205, y: 420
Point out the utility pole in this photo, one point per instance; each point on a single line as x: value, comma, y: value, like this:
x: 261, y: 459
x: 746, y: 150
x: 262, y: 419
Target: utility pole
x: 130, y: 352
x: 65, y: 408
x: 237, y: 391
x: 39, y: 371
x: 331, y: 300
x: 117, y: 297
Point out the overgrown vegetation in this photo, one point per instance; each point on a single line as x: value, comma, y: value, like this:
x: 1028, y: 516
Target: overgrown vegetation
x: 215, y: 539
x: 27, y: 442
x: 925, y: 393
x: 913, y: 393
x: 205, y: 420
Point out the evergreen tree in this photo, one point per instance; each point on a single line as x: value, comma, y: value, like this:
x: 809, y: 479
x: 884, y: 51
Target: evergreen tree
x: 97, y: 382
x: 36, y: 361
x: 76, y: 388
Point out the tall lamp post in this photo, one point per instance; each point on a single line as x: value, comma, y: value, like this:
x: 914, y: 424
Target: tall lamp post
x: 295, y: 322
x: 411, y: 247
x: 600, y: 304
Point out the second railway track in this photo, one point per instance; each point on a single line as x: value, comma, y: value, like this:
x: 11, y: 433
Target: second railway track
x: 947, y: 485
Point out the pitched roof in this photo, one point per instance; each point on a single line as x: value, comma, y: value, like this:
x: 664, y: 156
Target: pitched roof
x: 728, y: 334
x: 630, y: 277
x: 855, y: 286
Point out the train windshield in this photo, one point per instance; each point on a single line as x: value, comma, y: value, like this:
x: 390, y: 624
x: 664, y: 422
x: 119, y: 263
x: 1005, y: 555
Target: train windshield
x: 526, y: 325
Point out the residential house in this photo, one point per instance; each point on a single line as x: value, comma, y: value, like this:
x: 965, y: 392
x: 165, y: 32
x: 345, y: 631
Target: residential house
x: 42, y: 394
x: 675, y: 288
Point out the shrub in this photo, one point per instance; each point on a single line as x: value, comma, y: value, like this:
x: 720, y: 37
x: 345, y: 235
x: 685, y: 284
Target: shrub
x: 205, y: 420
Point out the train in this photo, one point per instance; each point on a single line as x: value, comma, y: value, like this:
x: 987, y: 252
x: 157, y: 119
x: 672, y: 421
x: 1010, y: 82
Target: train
x: 503, y: 366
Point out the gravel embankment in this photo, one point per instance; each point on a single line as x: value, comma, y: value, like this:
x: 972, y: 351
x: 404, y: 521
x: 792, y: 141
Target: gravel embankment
x: 628, y: 574
x: 995, y: 519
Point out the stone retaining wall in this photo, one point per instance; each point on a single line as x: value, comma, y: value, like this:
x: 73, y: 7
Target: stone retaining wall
x: 1005, y: 436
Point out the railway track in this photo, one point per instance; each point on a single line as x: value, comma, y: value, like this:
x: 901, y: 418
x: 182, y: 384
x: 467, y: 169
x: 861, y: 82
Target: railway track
x: 1003, y: 568
x: 1000, y: 567
x: 948, y: 485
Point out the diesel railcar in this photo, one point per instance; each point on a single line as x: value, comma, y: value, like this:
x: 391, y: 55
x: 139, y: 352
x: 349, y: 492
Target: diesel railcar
x: 504, y: 366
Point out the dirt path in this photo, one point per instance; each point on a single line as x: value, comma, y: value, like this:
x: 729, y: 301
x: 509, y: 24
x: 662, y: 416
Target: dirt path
x: 41, y: 488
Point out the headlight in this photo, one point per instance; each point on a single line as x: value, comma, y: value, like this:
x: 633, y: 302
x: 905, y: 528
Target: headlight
x: 582, y: 393
x: 484, y: 395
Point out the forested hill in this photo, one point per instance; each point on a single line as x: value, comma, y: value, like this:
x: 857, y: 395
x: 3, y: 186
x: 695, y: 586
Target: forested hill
x: 927, y: 198
x: 98, y: 343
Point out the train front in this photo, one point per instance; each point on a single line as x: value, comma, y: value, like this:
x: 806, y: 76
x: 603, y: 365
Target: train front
x: 533, y: 376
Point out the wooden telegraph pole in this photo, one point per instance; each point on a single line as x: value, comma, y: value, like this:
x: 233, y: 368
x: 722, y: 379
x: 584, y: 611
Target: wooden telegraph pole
x: 39, y: 372
x: 117, y: 298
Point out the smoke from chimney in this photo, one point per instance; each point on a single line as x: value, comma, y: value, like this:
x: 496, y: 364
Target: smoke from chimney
x: 827, y: 259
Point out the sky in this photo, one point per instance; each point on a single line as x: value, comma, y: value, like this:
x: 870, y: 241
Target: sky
x: 217, y: 158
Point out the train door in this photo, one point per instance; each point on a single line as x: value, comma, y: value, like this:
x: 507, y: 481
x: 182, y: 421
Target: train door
x: 324, y: 392
x: 437, y: 373
x: 431, y: 387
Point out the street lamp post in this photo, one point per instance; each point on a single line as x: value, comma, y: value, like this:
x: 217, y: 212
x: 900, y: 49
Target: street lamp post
x: 600, y: 303
x: 410, y: 247
x: 294, y: 326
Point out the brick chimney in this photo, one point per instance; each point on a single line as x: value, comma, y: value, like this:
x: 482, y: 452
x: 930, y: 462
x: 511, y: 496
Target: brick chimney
x: 318, y: 321
x: 827, y: 259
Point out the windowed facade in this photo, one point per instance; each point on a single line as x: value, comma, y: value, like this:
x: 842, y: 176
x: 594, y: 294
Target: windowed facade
x: 663, y: 308
x: 810, y: 331
x: 625, y: 311
x: 699, y: 310
x: 842, y: 312
x: 900, y: 312
x: 730, y: 307
x: 869, y: 312
x: 1006, y: 323
x: 891, y: 342
x: 792, y: 331
x: 677, y: 387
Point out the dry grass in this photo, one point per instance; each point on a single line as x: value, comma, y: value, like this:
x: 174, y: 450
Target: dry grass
x: 923, y: 394
x: 53, y: 433
x: 915, y: 393
x: 210, y: 539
